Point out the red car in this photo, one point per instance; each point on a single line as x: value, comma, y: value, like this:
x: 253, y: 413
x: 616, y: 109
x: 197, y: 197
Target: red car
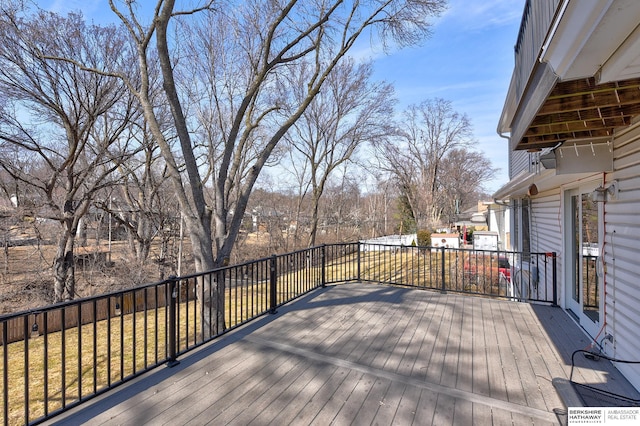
x: 488, y: 267
x: 504, y: 267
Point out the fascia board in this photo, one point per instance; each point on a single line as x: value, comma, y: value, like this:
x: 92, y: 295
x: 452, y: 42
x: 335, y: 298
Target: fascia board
x: 541, y: 83
x: 572, y: 31
x: 509, y: 109
x: 623, y: 64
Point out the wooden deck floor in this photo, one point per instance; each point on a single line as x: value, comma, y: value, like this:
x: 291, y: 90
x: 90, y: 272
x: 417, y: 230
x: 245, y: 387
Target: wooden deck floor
x: 367, y: 354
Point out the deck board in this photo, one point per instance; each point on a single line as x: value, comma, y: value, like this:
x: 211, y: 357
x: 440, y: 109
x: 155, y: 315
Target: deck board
x: 364, y: 354
x: 480, y: 356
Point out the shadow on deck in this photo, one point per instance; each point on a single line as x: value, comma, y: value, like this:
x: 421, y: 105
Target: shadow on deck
x: 363, y: 354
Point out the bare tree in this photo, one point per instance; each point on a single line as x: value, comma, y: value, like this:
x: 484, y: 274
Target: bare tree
x: 379, y: 207
x: 272, y: 39
x: 63, y: 119
x: 142, y: 205
x: 270, y: 44
x: 341, y: 213
x: 427, y: 134
x: 349, y: 111
x: 299, y: 171
x: 462, y: 176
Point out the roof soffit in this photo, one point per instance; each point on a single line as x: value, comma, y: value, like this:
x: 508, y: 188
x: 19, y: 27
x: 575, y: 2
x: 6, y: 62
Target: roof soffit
x: 594, y: 50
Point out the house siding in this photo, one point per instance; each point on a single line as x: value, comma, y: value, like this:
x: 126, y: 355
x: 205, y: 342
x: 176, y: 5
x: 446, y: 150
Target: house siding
x: 545, y: 222
x: 519, y: 161
x: 542, y: 226
x: 622, y: 232
x: 546, y: 236
x: 620, y: 250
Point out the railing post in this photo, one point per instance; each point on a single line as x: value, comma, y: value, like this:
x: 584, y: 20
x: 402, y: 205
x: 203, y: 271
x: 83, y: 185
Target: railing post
x: 442, y: 265
x: 323, y: 264
x: 273, y: 282
x: 554, y: 279
x: 5, y: 369
x: 26, y: 329
x: 172, y: 335
x: 359, y: 259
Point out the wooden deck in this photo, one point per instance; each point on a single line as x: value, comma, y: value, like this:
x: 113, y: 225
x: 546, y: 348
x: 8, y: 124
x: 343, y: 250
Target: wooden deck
x: 367, y: 354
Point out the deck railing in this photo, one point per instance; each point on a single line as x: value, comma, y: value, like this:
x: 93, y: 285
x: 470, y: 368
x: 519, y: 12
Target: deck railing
x: 537, y: 19
x: 60, y: 356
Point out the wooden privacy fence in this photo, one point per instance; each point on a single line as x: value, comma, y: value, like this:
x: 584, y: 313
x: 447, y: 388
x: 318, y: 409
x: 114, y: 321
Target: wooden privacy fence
x: 67, y: 316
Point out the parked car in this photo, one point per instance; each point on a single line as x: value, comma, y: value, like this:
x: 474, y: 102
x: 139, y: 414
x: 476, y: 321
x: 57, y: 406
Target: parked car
x: 504, y: 267
x: 487, y: 267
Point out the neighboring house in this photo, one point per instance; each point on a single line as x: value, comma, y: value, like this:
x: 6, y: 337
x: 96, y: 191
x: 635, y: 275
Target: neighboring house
x: 572, y: 117
x: 475, y: 217
x: 487, y: 216
x: 499, y: 220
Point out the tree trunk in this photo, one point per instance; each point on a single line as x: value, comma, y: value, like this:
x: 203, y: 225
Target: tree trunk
x: 64, y: 266
x: 210, y: 290
x: 314, y: 224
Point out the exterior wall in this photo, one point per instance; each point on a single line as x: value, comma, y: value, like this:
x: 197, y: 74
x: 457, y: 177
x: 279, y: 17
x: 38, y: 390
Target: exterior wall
x: 621, y: 248
x: 546, y: 234
x: 546, y: 231
x: 519, y: 162
x: 622, y: 245
x: 541, y: 226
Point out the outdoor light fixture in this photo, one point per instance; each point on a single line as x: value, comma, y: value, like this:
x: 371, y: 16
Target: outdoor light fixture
x: 118, y: 311
x: 34, y: 330
x: 602, y: 194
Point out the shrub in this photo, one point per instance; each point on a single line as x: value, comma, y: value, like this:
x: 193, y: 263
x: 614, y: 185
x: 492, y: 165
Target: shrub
x: 424, y: 238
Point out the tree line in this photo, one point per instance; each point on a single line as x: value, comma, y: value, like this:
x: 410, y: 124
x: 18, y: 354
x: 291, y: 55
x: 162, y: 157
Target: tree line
x: 192, y: 111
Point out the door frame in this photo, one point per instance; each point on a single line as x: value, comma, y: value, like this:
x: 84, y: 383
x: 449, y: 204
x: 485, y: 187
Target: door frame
x: 576, y: 308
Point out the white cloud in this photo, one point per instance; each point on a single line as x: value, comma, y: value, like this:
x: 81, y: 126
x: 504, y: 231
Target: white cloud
x: 478, y: 15
x: 65, y: 6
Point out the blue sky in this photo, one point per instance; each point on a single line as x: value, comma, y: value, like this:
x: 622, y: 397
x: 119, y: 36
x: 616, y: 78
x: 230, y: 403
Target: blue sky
x: 468, y: 61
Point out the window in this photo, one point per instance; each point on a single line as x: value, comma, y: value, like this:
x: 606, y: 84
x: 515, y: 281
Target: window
x: 521, y: 225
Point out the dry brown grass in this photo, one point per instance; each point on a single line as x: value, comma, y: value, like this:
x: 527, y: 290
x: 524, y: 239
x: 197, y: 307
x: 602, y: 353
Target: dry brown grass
x: 61, y: 360
x: 68, y: 365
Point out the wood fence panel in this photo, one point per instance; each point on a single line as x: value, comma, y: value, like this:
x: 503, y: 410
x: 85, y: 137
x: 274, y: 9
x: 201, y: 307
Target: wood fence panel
x: 134, y: 300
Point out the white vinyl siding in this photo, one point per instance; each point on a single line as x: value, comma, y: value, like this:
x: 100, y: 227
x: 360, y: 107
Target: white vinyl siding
x: 545, y: 222
x: 622, y: 246
x: 518, y: 161
x: 546, y: 234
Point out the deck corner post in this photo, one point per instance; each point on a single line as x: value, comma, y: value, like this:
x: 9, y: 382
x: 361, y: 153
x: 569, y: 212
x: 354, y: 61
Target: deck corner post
x: 359, y: 260
x: 323, y: 263
x: 172, y: 335
x: 554, y: 279
x: 442, y: 273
